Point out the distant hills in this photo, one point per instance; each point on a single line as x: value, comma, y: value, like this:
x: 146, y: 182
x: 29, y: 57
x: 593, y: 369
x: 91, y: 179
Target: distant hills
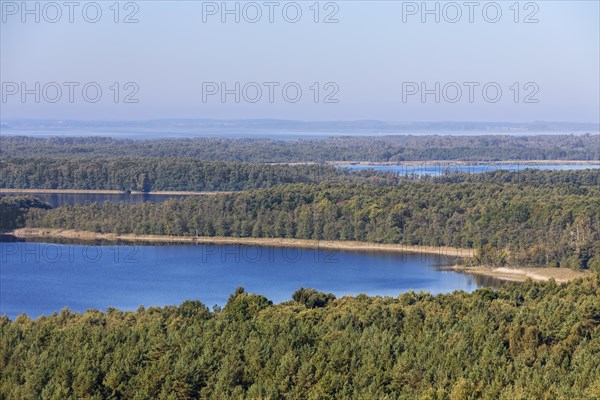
x: 212, y: 127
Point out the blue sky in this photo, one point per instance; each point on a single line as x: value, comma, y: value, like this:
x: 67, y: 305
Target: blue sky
x: 369, y: 57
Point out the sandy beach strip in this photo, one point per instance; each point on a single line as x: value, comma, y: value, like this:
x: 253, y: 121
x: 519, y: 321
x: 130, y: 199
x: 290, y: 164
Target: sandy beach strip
x: 503, y: 273
x: 521, y: 274
x: 25, y: 233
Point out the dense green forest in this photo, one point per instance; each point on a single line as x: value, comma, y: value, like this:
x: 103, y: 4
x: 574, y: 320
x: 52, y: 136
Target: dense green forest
x: 530, y: 177
x: 148, y: 174
x: 14, y: 208
x: 384, y: 148
x: 509, y: 223
x: 526, y: 341
x: 166, y: 174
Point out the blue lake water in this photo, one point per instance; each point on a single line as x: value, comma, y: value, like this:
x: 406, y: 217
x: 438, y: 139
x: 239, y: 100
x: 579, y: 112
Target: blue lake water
x: 443, y: 169
x: 42, y: 278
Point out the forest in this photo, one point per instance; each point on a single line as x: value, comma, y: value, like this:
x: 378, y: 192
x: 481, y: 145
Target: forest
x: 148, y: 174
x: 164, y: 174
x: 528, y: 341
x: 521, y: 341
x: 509, y: 221
x: 374, y: 148
x: 13, y: 210
x: 530, y: 177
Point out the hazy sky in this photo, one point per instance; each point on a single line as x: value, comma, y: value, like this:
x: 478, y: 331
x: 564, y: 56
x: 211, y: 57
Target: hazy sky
x: 378, y: 57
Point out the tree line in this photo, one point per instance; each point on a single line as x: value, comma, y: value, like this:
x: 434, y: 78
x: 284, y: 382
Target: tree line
x: 373, y: 148
x: 147, y: 174
x: 526, y: 341
x: 531, y: 177
x: 509, y: 223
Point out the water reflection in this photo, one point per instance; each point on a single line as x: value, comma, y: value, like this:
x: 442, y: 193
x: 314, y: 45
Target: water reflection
x: 43, y: 277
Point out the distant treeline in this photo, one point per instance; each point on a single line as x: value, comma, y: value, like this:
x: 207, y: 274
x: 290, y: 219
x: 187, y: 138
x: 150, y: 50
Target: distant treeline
x: 515, y: 224
x: 165, y: 174
x: 148, y: 174
x: 531, y: 177
x: 387, y: 148
x: 527, y: 341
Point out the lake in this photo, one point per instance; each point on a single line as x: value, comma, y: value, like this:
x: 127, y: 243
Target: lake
x: 42, y: 278
x: 475, y: 168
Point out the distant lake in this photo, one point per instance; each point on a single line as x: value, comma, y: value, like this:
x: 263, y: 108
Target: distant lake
x: 59, y: 199
x: 42, y: 278
x: 475, y: 168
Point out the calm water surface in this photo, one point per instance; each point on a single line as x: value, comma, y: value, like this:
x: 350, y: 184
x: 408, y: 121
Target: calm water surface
x: 442, y: 169
x: 42, y: 278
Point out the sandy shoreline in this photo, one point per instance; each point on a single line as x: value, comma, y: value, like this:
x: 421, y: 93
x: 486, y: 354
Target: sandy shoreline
x: 502, y: 273
x: 522, y: 274
x: 80, y: 191
x: 25, y: 233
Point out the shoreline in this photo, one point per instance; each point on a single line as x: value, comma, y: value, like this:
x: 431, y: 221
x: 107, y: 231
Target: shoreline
x: 506, y: 274
x: 95, y: 191
x: 40, y: 233
x: 560, y: 275
x: 460, y: 162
